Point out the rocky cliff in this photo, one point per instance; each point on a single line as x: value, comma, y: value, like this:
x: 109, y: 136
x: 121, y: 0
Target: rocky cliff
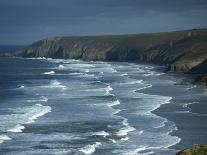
x: 181, y: 51
x: 194, y: 150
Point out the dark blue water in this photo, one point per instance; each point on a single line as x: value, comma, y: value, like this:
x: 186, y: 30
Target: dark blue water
x: 75, y: 107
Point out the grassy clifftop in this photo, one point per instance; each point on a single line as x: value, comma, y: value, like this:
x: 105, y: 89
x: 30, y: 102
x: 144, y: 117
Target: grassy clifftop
x: 194, y: 150
x: 181, y: 51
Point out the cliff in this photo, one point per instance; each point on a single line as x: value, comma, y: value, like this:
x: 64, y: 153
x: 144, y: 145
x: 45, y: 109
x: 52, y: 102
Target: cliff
x: 180, y: 51
x: 194, y: 150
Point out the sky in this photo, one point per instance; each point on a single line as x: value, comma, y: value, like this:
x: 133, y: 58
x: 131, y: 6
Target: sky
x: 25, y: 21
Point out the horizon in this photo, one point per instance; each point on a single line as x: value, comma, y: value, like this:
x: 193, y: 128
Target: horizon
x: 100, y: 35
x: 25, y: 21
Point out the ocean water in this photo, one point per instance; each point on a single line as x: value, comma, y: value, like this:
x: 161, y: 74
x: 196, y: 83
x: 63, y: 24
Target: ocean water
x: 74, y: 107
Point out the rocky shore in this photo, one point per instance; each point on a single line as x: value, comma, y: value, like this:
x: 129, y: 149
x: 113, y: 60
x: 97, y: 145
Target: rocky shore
x: 194, y: 150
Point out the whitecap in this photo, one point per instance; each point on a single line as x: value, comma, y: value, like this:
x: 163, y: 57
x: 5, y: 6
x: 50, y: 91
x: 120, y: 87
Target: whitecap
x: 22, y: 87
x: 38, y: 113
x: 89, y: 149
x: 150, y: 152
x: 42, y: 99
x: 57, y: 84
x: 186, y: 106
x: 101, y: 133
x: 49, y: 73
x: 124, y: 139
x: 125, y: 130
x: 191, y: 87
x: 124, y: 74
x: 113, y: 141
x: 111, y: 104
x: 87, y: 70
x: 17, y: 128
x: 4, y: 138
x: 61, y: 66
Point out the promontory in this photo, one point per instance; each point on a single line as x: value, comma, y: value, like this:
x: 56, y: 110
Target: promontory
x: 181, y: 51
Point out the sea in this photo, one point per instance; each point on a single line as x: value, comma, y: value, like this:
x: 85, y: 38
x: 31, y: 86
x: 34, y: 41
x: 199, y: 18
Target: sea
x: 74, y: 107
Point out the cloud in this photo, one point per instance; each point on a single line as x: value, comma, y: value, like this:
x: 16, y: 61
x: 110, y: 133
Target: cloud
x: 30, y: 20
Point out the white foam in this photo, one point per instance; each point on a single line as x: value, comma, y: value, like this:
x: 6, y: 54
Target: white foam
x: 125, y: 130
x: 124, y: 74
x: 191, y: 87
x: 41, y: 58
x: 76, y: 73
x: 17, y: 128
x: 89, y: 149
x: 162, y: 124
x: 141, y: 132
x: 108, y: 89
x: 132, y: 82
x: 113, y: 141
x: 41, y: 111
x: 151, y: 152
x: 186, y: 106
x: 101, y: 133
x: 145, y: 87
x: 136, y: 151
x: 57, y: 84
x: 87, y: 70
x: 124, y: 139
x: 42, y: 99
x: 117, y: 102
x: 22, y: 87
x: 49, y: 73
x: 4, y: 138
x: 61, y: 66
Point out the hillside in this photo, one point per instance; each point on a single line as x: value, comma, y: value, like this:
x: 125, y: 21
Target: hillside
x: 180, y: 51
x: 194, y: 150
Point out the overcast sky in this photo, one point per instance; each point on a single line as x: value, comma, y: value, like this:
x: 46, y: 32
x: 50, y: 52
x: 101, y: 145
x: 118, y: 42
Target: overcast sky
x: 25, y: 21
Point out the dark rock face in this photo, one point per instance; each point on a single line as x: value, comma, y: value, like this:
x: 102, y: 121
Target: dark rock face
x: 194, y: 150
x: 179, y: 51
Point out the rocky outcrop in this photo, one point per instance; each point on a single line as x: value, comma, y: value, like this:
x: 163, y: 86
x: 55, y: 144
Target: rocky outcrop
x: 181, y: 51
x: 194, y: 150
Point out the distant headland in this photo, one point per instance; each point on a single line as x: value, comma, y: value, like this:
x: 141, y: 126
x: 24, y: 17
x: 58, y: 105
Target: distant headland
x: 181, y: 51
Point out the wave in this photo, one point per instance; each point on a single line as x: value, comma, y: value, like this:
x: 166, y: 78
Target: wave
x: 117, y: 111
x: 101, y: 133
x: 41, y: 58
x: 125, y: 130
x: 42, y: 99
x: 89, y: 149
x: 87, y: 70
x: 76, y: 73
x: 133, y: 82
x: 57, y: 84
x: 145, y: 87
x: 162, y: 124
x: 108, y: 89
x: 40, y: 111
x: 117, y: 102
x: 49, y: 73
x: 124, y: 74
x: 22, y: 87
x: 4, y: 138
x: 166, y: 100
x: 191, y: 87
x: 113, y: 141
x: 17, y: 128
x: 150, y: 152
x: 186, y: 106
x: 61, y: 67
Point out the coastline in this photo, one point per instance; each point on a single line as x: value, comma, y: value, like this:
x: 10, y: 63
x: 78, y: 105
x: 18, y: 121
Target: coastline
x: 187, y: 116
x: 182, y: 52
